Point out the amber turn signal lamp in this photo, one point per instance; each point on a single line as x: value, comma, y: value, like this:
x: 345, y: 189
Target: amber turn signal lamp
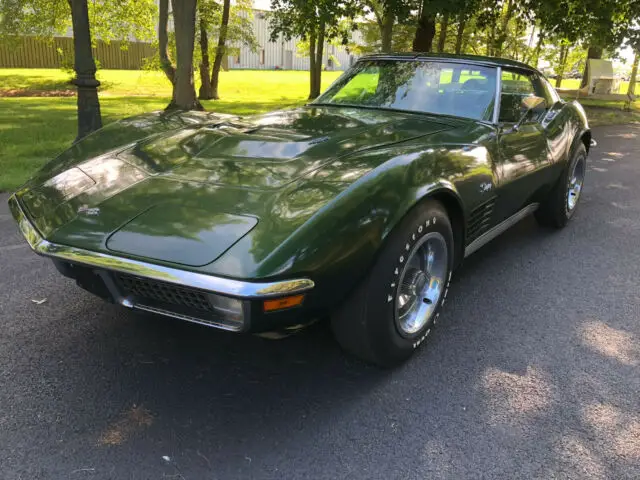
x: 282, y: 303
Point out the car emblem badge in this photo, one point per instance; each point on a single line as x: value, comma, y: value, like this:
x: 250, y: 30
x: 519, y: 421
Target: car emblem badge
x: 85, y: 209
x: 485, y: 187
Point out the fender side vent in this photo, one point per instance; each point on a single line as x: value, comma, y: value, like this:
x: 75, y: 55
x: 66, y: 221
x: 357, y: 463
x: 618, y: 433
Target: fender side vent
x: 480, y: 220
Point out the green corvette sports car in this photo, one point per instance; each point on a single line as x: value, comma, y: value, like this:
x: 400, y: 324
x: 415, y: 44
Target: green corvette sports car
x: 356, y: 207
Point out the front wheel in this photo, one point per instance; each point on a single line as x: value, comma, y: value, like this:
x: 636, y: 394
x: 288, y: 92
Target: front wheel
x: 563, y: 199
x: 394, y: 309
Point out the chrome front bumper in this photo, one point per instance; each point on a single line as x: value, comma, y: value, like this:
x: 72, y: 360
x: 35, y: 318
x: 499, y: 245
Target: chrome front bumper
x: 239, y: 289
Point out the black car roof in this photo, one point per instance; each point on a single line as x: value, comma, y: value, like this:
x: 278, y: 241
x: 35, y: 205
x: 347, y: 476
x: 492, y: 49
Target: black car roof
x: 473, y: 59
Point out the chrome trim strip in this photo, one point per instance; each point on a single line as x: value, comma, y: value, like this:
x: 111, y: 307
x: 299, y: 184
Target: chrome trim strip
x: 224, y: 286
x: 500, y: 228
x: 187, y: 318
x: 130, y: 303
x: 496, y: 104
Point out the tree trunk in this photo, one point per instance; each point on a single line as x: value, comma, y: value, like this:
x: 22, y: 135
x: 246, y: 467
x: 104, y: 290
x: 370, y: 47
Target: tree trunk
x: 460, y: 35
x: 423, y: 41
x: 163, y: 41
x: 386, y: 30
x: 318, y: 62
x: 490, y: 40
x: 594, y: 51
x: 184, y: 20
x: 221, y: 50
x: 89, y: 118
x: 525, y: 57
x: 465, y: 43
x: 632, y: 81
x: 205, y: 92
x: 501, y: 37
x: 536, y: 52
x: 312, y: 65
x: 564, y: 51
x: 444, y: 24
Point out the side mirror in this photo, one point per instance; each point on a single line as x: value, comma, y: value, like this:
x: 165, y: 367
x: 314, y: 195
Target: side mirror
x: 533, y: 103
x: 528, y: 104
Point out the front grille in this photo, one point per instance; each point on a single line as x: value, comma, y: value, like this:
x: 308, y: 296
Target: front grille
x: 164, y: 292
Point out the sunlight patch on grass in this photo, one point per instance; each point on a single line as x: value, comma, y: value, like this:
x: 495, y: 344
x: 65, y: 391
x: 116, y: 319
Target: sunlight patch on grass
x: 33, y: 130
x: 235, y: 85
x: 606, y: 112
x: 574, y: 83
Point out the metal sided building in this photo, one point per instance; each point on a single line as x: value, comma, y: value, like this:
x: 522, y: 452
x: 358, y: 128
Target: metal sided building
x: 282, y: 53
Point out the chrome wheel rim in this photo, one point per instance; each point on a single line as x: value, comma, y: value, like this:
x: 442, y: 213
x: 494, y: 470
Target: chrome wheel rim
x: 421, y: 284
x: 576, y: 180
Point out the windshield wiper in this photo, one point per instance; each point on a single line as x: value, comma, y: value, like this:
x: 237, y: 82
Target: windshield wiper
x: 349, y: 105
x: 316, y: 104
x: 399, y: 110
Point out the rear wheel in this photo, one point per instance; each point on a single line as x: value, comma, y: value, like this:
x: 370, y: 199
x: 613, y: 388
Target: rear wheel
x: 395, y: 308
x: 563, y: 199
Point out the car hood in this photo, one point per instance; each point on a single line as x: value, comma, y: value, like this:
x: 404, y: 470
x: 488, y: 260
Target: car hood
x: 193, y: 192
x: 270, y: 151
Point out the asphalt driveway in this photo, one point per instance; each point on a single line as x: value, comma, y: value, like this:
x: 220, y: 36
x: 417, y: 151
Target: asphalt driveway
x: 534, y: 371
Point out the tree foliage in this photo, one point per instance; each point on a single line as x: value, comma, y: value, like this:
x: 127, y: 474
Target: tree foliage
x: 239, y: 31
x: 388, y: 13
x: 558, y: 31
x: 40, y: 18
x: 317, y: 22
x: 109, y: 19
x: 229, y: 26
x: 104, y: 19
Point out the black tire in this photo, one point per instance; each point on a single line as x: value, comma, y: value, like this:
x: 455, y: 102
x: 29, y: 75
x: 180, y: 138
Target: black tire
x: 554, y: 212
x: 365, y: 325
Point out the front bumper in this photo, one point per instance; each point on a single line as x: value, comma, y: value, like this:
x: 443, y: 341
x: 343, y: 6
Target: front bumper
x: 159, y: 289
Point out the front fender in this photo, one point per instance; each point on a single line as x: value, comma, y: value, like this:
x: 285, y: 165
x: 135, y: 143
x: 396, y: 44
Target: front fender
x: 581, y: 128
x: 340, y: 242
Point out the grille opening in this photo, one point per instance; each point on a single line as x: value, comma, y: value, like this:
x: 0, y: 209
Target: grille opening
x: 181, y: 302
x: 165, y: 293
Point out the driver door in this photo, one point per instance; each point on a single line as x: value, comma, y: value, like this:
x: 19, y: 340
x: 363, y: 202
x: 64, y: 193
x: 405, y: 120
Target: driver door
x: 523, y: 157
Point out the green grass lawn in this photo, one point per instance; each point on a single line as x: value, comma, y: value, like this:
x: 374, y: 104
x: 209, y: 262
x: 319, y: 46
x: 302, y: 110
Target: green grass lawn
x: 574, y: 84
x: 34, y: 129
x: 238, y: 85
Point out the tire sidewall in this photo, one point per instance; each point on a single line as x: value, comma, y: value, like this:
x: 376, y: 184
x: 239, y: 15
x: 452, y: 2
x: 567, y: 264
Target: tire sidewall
x: 384, y: 281
x: 580, y: 154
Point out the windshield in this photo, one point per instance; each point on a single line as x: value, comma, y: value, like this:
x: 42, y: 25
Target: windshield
x: 463, y: 90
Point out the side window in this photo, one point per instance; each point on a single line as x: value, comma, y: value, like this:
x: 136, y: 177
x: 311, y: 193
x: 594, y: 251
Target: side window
x: 516, y: 86
x: 551, y: 96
